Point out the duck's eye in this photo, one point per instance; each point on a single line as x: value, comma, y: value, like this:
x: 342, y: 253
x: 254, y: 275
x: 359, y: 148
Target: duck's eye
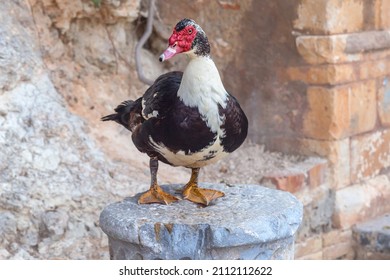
x: 190, y: 31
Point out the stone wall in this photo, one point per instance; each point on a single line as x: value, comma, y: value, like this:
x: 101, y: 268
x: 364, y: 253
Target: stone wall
x: 346, y: 70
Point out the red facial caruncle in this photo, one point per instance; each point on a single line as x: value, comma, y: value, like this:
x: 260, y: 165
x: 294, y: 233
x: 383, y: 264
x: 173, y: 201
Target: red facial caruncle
x: 180, y: 41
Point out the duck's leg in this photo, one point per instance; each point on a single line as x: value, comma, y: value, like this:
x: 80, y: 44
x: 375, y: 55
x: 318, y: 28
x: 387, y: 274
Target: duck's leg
x: 155, y: 194
x: 195, y: 194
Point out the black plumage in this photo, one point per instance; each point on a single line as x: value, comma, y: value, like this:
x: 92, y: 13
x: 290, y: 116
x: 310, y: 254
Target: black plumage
x: 176, y: 126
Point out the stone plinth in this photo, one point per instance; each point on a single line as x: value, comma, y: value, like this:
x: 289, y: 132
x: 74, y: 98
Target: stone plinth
x: 250, y: 222
x: 372, y: 239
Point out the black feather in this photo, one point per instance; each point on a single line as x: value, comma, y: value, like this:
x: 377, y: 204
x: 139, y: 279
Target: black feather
x: 183, y: 23
x: 235, y: 125
x: 111, y: 117
x: 123, y: 113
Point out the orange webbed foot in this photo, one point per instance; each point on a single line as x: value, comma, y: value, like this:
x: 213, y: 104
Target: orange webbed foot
x: 195, y: 194
x: 156, y: 195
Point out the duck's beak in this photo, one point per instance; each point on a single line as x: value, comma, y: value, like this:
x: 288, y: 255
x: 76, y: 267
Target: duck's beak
x: 171, y: 51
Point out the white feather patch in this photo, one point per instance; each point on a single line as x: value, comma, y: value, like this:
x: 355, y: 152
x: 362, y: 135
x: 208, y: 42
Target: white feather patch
x: 202, y: 87
x: 193, y: 160
x: 151, y: 115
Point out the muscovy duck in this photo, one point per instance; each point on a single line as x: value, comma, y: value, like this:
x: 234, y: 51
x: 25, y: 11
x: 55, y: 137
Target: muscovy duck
x: 184, y: 119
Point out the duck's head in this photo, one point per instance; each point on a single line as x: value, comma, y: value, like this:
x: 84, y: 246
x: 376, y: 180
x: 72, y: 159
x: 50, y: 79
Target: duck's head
x: 187, y: 37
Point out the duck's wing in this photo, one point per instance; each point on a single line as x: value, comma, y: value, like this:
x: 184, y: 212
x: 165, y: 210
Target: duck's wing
x: 235, y: 125
x: 159, y: 99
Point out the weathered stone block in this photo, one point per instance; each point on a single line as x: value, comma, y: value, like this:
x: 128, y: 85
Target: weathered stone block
x: 318, y: 210
x: 384, y: 102
x: 384, y: 21
x: 338, y: 112
x: 314, y: 256
x: 336, y: 236
x: 343, y: 250
x: 328, y: 114
x: 317, y: 24
x: 372, y: 238
x: 344, y: 16
x: 362, y: 101
x: 374, y: 69
x: 310, y: 245
x: 329, y: 74
x: 377, y: 55
x: 330, y: 16
x: 285, y: 181
x: 367, y: 41
x: 370, y: 153
x: 362, y: 201
x: 236, y: 226
x: 317, y: 174
x: 338, y: 244
x: 341, y: 48
x: 324, y: 49
x: 338, y: 155
x: 373, y: 14
x: 310, y: 173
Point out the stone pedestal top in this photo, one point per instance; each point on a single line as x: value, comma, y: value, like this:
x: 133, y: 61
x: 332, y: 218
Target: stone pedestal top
x: 246, y: 215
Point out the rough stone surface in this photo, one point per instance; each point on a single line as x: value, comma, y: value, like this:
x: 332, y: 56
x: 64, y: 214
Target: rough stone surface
x: 342, y: 250
x: 236, y: 226
x: 264, y: 166
x: 370, y: 153
x: 314, y: 256
x: 338, y: 155
x: 374, y: 69
x: 330, y: 16
x: 328, y: 113
x: 373, y: 65
x: 372, y: 238
x: 324, y: 74
x: 308, y: 173
x: 361, y: 202
x: 341, y: 48
x: 308, y: 246
x: 341, y: 111
x: 368, y: 41
x: 324, y: 49
x: 384, y: 21
x: 336, y: 236
x: 334, y: 244
x: 384, y: 101
x: 317, y: 211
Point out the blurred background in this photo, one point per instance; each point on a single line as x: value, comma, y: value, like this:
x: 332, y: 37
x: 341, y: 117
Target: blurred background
x: 312, y: 77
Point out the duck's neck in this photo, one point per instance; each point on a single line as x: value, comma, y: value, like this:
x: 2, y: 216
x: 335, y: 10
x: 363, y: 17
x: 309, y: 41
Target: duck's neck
x: 201, y: 82
x: 201, y: 87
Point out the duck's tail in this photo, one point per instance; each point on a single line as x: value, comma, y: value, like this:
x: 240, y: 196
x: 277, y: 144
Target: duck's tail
x: 128, y: 114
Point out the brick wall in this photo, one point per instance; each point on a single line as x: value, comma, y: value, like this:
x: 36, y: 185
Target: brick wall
x: 345, y: 46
